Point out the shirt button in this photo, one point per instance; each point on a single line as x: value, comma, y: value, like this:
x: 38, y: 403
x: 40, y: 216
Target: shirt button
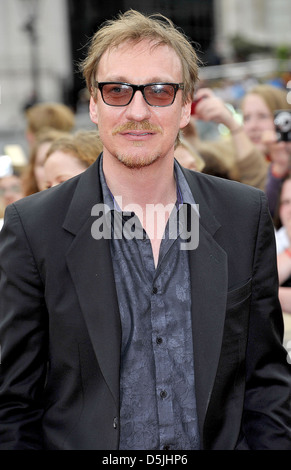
x: 159, y: 340
x: 155, y: 290
x: 163, y: 394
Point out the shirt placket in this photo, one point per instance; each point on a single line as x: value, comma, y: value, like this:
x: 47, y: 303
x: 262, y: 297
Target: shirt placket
x: 160, y: 335
x: 162, y: 367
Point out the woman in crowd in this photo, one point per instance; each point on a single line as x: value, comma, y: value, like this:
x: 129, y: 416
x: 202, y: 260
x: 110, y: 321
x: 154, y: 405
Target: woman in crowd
x: 70, y: 155
x: 246, y: 149
x: 33, y: 175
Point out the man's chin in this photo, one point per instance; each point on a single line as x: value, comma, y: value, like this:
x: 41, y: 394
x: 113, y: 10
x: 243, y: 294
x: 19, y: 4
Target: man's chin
x: 137, y: 162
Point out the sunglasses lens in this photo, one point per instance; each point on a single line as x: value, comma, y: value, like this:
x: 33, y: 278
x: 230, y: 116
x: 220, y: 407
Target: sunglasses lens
x: 160, y: 94
x: 116, y: 94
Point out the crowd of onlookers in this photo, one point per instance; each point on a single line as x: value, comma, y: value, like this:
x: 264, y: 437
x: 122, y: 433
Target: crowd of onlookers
x: 56, y: 152
x: 250, y: 150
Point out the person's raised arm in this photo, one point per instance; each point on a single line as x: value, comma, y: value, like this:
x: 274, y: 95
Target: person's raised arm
x: 212, y: 108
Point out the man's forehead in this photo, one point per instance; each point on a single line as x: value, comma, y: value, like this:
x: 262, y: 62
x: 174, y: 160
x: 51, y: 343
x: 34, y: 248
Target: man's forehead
x: 137, y: 51
x: 133, y: 47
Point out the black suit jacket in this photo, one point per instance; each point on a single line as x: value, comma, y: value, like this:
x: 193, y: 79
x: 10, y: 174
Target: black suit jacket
x: 59, y: 307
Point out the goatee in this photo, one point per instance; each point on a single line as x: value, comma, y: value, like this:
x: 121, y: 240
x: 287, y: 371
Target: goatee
x: 136, y: 161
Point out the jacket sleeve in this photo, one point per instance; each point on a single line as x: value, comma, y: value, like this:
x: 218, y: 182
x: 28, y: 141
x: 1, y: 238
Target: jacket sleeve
x: 23, y: 326
x: 267, y: 409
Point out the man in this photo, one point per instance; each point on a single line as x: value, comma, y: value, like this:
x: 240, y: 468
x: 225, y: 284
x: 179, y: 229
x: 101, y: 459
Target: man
x: 113, y: 335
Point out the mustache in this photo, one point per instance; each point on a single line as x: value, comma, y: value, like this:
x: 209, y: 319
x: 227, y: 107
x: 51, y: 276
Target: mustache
x: 137, y: 126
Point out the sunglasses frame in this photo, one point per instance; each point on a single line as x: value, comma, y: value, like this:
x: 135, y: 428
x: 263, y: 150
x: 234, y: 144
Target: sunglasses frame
x: 135, y: 88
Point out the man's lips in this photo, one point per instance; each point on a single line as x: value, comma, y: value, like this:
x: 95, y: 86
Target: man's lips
x: 137, y: 134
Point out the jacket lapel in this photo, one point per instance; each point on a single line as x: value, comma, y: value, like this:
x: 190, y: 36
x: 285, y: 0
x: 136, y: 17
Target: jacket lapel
x: 209, y: 283
x: 90, y: 266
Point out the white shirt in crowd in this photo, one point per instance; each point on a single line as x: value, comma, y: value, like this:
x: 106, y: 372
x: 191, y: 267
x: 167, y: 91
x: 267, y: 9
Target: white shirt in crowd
x: 282, y: 240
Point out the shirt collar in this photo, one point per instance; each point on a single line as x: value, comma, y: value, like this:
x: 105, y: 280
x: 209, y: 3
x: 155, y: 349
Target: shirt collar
x: 184, y: 194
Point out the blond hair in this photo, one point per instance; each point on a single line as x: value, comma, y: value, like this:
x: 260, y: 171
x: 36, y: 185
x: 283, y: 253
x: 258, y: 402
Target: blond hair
x: 84, y: 145
x: 274, y: 97
x: 46, y: 135
x: 133, y: 26
x: 49, y: 115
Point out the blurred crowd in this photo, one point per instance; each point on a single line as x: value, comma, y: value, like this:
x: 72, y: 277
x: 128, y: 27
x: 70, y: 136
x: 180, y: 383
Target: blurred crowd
x: 237, y: 131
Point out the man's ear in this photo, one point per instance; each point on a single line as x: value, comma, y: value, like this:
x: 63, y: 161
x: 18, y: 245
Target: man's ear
x: 185, y: 114
x: 93, y: 110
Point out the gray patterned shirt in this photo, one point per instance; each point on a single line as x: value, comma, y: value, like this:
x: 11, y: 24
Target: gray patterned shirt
x: 157, y: 393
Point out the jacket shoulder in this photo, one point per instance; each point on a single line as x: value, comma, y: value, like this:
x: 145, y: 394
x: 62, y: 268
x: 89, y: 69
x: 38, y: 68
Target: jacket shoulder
x: 50, y: 201
x: 82, y: 192
x: 209, y: 185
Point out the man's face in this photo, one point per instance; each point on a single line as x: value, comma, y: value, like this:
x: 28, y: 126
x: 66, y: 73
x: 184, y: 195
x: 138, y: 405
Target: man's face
x: 139, y: 134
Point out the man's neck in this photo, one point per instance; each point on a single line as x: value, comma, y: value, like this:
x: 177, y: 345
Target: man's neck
x: 137, y: 189
x: 154, y: 184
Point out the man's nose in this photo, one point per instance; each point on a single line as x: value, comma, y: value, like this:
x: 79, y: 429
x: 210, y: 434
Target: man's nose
x: 138, y: 109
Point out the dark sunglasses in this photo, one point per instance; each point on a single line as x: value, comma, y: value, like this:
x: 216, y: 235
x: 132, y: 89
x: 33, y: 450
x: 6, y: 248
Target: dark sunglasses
x: 155, y: 94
